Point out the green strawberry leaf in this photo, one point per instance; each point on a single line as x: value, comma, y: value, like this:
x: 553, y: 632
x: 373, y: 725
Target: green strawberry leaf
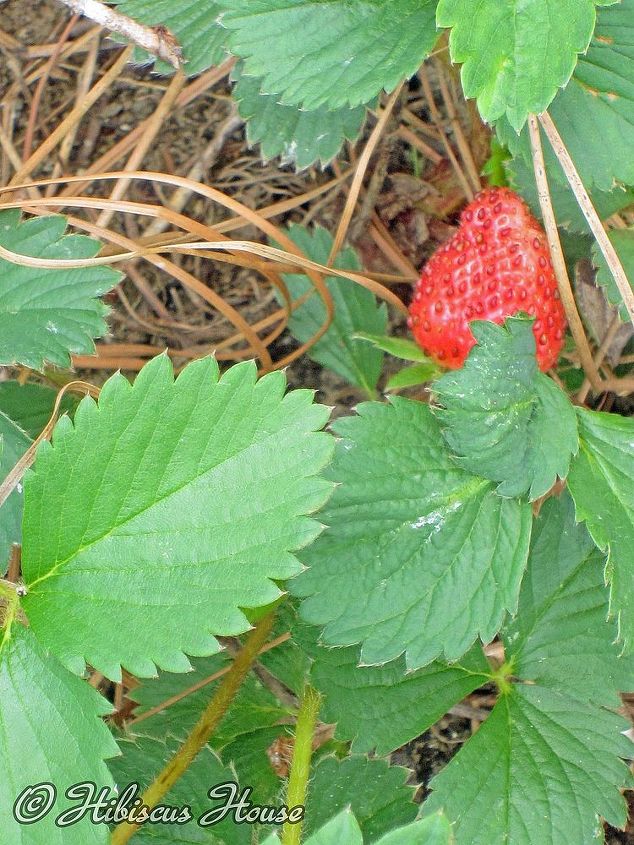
x: 433, y: 830
x: 510, y: 71
x: 503, y: 418
x: 288, y: 661
x: 329, y: 52
x: 248, y: 755
x: 623, y: 243
x: 376, y: 793
x: 298, y: 136
x: 381, y: 708
x: 563, y: 603
x: 31, y: 405
x: 50, y: 733
x: 344, y: 828
x: 356, y: 310
x: 594, y: 112
x: 401, y: 529
x: 14, y: 442
x: 600, y: 482
x: 194, y: 24
x: 552, y: 715
x: 142, y: 759
x: 567, y: 211
x: 24, y: 411
x: 47, y: 314
x: 176, y: 504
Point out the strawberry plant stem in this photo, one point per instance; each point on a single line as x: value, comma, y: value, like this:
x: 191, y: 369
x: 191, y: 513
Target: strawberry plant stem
x: 557, y: 255
x: 300, y: 767
x: 205, y: 726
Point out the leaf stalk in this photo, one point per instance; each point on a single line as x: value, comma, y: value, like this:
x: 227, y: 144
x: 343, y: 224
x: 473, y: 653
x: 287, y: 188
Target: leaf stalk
x: 300, y: 766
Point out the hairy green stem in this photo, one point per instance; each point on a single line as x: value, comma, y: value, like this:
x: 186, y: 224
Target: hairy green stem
x: 205, y: 726
x: 300, y: 767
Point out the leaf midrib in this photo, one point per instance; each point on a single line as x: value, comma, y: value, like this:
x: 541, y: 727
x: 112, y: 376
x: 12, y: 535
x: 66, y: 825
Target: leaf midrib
x: 172, y: 492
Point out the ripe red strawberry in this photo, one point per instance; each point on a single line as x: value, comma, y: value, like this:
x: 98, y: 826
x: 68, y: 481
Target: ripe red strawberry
x: 496, y: 265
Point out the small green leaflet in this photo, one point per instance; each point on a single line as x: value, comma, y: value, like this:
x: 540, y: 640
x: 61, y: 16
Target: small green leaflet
x: 553, y: 717
x: 143, y: 759
x: 601, y: 482
x: 506, y: 67
x: 194, y: 24
x: 165, y: 509
x: 330, y: 52
x: 400, y: 347
x: 24, y: 411
x: 423, y: 371
x: 344, y: 829
x: 503, y: 418
x: 50, y: 731
x: 381, y: 708
x: 377, y: 793
x: 412, y: 376
x: 623, y: 243
x: 401, y: 533
x: 298, y: 136
x: 594, y: 112
x: 356, y: 311
x: 47, y: 314
x: 495, y: 167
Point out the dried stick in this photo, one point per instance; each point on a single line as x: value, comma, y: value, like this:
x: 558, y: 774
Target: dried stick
x: 73, y: 117
x: 357, y: 182
x: 589, y: 212
x: 600, y: 355
x: 559, y: 262
x: 181, y: 196
x: 157, y: 40
x: 145, y: 142
x: 436, y: 117
x: 461, y: 141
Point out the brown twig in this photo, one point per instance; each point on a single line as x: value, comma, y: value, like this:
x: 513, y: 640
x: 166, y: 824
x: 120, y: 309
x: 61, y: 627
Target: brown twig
x: 463, y: 145
x: 13, y: 477
x: 611, y: 333
x: 357, y: 182
x: 589, y: 212
x: 151, y: 130
x: 433, y: 110
x: 157, y: 40
x: 559, y: 262
x: 73, y: 117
